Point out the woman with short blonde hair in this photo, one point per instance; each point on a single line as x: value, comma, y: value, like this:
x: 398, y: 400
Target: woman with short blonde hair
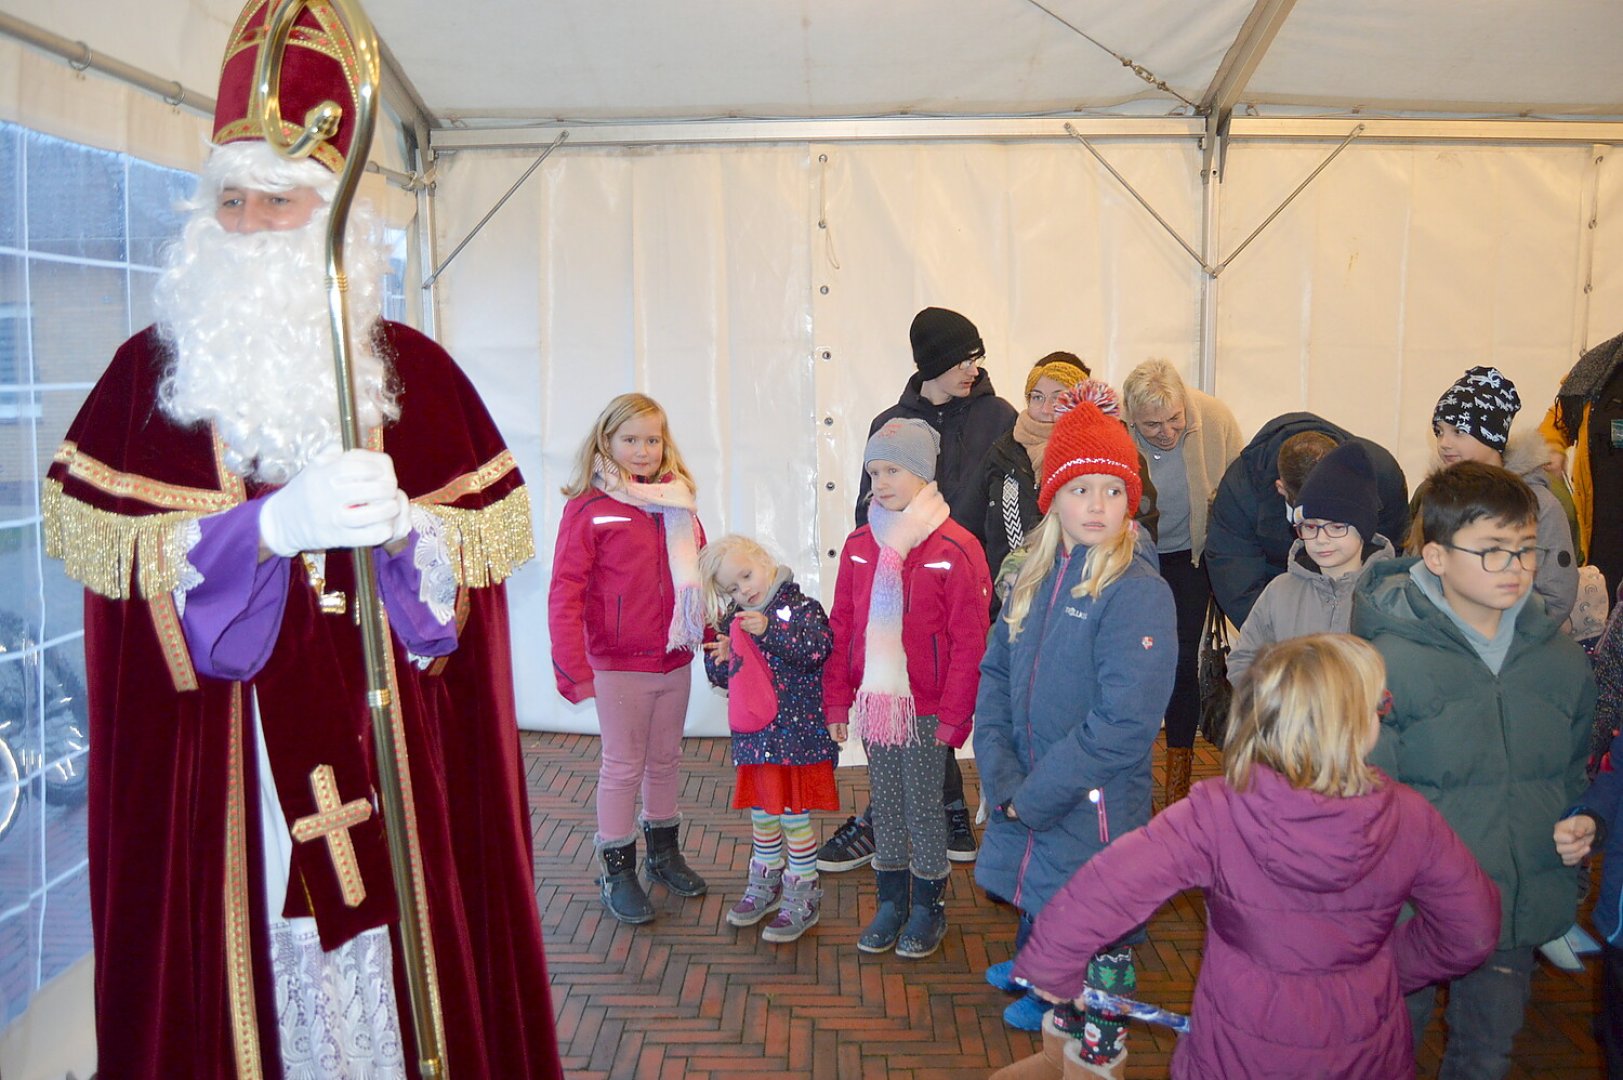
x: 1188, y: 439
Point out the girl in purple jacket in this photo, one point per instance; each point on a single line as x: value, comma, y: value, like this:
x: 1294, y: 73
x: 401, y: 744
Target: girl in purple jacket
x: 1307, y: 856
x: 626, y: 617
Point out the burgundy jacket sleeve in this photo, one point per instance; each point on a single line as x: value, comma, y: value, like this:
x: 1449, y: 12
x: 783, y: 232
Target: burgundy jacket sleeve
x: 838, y: 693
x: 969, y: 594
x: 566, y: 603
x: 1456, y: 922
x: 1114, y: 892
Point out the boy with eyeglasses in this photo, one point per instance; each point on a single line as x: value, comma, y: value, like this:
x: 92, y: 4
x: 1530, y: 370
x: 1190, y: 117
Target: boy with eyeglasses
x: 1335, y: 512
x: 1472, y: 423
x: 1492, y: 707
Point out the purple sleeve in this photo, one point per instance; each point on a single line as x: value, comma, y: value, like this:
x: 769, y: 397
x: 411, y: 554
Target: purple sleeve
x: 400, y: 584
x: 232, y: 617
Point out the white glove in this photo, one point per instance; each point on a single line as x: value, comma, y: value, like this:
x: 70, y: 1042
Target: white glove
x: 401, y: 525
x: 340, y: 500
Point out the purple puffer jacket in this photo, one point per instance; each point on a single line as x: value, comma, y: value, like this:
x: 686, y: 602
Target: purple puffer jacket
x: 1305, y: 964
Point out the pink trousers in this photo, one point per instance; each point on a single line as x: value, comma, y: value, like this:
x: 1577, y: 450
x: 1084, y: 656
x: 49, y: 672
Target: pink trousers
x: 640, y: 716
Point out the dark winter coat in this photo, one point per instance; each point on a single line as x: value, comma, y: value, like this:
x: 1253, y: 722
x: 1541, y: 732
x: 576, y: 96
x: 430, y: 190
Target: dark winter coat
x: 796, y: 643
x: 1502, y: 756
x: 1248, y: 538
x: 1603, y: 801
x: 1064, y: 723
x: 1010, y: 486
x: 1304, y: 961
x: 968, y: 427
x: 945, y: 588
x: 611, y: 599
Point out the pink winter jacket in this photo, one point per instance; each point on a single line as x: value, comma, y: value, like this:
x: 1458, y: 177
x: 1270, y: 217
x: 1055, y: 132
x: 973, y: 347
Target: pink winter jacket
x: 946, y: 612
x: 1305, y: 963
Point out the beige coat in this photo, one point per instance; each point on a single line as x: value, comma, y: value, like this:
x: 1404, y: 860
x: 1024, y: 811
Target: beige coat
x: 1211, y: 441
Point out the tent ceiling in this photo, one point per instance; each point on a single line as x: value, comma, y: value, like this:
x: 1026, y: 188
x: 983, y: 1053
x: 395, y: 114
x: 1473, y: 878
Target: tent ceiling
x: 505, y: 61
x: 650, y: 59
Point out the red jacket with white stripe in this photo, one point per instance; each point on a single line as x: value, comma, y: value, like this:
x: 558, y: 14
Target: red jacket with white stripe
x: 946, y: 590
x: 611, y: 600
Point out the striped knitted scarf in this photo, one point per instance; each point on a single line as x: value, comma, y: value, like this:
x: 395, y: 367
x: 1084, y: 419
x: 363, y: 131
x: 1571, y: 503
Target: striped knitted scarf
x: 673, y: 500
x: 883, y: 711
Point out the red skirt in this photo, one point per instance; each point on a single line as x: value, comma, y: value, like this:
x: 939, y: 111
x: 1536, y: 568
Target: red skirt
x: 786, y: 789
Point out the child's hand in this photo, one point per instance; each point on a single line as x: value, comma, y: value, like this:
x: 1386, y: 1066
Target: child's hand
x: 720, y: 650
x: 1573, y: 837
x: 752, y: 623
x: 1052, y: 999
x: 839, y: 732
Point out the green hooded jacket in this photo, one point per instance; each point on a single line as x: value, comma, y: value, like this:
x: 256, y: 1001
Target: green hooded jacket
x: 1500, y: 756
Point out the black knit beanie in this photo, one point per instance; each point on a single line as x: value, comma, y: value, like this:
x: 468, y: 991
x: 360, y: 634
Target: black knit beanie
x: 1341, y: 487
x: 943, y: 339
x: 1481, y: 404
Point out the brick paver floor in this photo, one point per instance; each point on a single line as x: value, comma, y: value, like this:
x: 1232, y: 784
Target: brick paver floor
x: 689, y: 996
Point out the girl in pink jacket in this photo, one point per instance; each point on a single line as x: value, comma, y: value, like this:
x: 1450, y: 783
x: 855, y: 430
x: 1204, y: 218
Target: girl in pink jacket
x: 911, y: 610
x: 626, y: 615
x: 1307, y: 855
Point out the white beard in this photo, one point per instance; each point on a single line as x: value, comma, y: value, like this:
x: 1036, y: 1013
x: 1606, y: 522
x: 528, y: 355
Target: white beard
x: 246, y: 319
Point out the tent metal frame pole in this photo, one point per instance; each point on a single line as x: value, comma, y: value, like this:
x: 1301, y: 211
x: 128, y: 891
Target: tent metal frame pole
x: 81, y: 57
x: 1211, y: 202
x: 1141, y: 200
x: 892, y: 129
x: 501, y: 202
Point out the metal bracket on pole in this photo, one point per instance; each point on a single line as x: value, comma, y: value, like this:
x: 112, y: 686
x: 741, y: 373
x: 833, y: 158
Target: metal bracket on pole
x: 1122, y: 180
x: 534, y: 165
x: 1280, y: 209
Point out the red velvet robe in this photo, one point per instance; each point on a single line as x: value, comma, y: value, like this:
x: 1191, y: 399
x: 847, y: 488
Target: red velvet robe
x: 183, y: 975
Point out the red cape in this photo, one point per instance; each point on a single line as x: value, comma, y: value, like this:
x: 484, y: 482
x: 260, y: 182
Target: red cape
x: 183, y: 976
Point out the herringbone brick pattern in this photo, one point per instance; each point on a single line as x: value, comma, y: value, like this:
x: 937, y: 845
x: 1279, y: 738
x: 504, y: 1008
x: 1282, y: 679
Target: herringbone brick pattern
x: 689, y: 996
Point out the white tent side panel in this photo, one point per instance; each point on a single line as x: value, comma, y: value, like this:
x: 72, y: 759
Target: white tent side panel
x: 698, y: 275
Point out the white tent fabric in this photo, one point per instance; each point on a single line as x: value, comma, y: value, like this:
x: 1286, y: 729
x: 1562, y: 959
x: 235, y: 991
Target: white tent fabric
x: 698, y: 276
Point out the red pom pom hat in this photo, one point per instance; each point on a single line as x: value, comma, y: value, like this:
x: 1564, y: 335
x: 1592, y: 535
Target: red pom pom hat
x: 1087, y: 442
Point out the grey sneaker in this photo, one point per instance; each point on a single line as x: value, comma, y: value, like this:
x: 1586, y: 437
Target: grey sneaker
x: 760, y: 897
x: 797, y: 911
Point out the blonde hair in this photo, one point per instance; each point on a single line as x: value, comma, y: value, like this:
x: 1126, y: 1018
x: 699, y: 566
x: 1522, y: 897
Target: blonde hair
x: 1305, y: 710
x: 599, y: 441
x: 711, y: 556
x: 1103, y: 564
x: 1153, y: 385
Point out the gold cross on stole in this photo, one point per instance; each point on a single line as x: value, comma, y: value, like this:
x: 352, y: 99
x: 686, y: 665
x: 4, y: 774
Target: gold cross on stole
x: 332, y: 822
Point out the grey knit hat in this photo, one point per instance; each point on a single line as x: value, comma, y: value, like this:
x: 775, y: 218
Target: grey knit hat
x: 912, y: 444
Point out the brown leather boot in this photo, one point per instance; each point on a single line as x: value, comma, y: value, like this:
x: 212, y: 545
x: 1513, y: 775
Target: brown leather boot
x: 1180, y: 759
x: 1047, y: 1063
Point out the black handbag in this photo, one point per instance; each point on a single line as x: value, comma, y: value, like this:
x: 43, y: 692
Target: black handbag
x: 1212, y: 675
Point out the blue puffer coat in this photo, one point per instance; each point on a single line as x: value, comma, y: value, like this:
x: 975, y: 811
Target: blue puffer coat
x: 1064, y: 724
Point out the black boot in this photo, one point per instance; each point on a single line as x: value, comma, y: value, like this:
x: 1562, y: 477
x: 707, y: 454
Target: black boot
x: 622, y: 892
x: 927, y: 924
x: 665, y: 863
x: 880, y: 935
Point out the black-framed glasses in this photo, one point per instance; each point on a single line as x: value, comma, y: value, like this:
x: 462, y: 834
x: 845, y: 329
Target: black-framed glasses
x: 1335, y: 530
x: 1496, y: 560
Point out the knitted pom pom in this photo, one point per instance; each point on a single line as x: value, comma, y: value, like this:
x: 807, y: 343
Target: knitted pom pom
x: 1096, y: 392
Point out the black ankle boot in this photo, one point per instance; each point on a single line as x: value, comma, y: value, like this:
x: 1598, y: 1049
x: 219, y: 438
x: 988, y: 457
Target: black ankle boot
x: 927, y: 922
x: 622, y: 892
x: 891, y: 914
x: 665, y: 864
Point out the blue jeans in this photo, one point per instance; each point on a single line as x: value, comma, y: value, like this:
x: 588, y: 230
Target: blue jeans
x: 1486, y: 1008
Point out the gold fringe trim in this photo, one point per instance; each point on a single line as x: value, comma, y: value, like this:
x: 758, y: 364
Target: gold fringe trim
x: 103, y: 551
x: 487, y: 545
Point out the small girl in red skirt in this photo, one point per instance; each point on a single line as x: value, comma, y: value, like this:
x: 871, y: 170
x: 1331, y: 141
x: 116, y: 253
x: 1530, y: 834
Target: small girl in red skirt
x: 769, y: 654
